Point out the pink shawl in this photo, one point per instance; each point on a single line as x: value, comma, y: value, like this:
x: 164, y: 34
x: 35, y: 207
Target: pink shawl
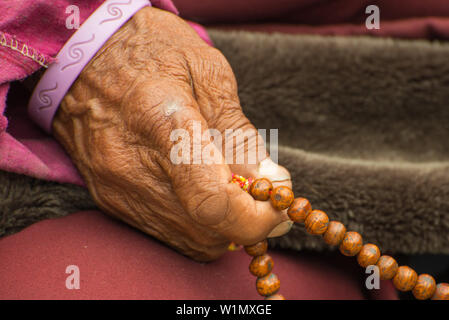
x: 31, y: 34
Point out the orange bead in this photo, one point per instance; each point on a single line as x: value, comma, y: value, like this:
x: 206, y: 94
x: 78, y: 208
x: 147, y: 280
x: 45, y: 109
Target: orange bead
x: 425, y: 287
x: 268, y: 285
x: 299, y: 209
x: 260, y: 189
x: 335, y: 233
x: 441, y: 292
x: 388, y: 267
x: 276, y: 296
x: 352, y: 244
x: 257, y: 249
x: 281, y: 197
x: 405, y: 279
x: 369, y: 255
x: 260, y: 266
x: 316, y: 222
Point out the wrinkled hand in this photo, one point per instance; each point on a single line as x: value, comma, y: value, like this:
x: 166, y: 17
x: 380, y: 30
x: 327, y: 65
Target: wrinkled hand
x: 153, y: 76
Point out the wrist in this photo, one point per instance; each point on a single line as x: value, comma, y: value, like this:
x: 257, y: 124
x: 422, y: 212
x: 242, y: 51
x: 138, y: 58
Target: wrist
x: 75, y: 55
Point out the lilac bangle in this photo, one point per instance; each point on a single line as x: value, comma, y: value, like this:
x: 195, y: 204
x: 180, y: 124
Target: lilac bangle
x: 75, y: 55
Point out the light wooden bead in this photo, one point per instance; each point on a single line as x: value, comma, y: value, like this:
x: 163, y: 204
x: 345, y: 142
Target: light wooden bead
x: 316, y: 222
x: 441, y: 292
x: 369, y: 255
x: 388, y: 267
x: 281, y: 197
x: 268, y: 285
x: 352, y: 244
x: 405, y: 279
x: 260, y: 189
x: 299, y: 209
x: 260, y: 266
x: 257, y: 249
x: 425, y: 287
x: 335, y: 233
x: 276, y: 296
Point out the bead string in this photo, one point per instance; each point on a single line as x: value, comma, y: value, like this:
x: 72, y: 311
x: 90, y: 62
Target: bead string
x: 334, y: 233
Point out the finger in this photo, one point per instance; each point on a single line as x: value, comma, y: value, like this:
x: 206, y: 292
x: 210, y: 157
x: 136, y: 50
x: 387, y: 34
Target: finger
x: 242, y: 145
x: 206, y: 192
x: 279, y: 176
x: 215, y: 90
x: 200, y: 178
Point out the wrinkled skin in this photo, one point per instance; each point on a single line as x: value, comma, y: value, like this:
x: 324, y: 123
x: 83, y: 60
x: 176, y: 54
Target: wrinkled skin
x: 153, y: 76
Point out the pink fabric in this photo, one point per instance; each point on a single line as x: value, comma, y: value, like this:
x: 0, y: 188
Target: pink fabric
x: 116, y: 262
x: 76, y: 53
x: 33, y: 31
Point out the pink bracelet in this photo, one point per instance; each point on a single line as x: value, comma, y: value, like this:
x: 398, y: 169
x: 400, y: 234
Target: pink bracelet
x: 74, y: 56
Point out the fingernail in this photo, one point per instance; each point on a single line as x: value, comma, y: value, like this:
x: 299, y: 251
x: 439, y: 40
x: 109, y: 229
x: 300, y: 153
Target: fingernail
x: 281, y: 229
x: 270, y: 170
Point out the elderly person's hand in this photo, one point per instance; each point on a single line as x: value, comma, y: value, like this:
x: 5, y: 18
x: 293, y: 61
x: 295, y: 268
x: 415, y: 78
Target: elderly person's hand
x: 155, y: 75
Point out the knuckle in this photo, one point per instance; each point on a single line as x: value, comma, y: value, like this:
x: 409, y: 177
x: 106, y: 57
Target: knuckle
x: 231, y: 116
x: 142, y: 112
x: 209, y: 207
x: 209, y: 63
x: 217, y: 57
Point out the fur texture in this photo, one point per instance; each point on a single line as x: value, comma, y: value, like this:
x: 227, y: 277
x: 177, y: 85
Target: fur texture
x: 363, y: 128
x: 24, y: 200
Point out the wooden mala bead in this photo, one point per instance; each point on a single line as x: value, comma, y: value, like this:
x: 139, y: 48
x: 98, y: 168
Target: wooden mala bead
x: 268, y: 285
x: 352, y: 244
x: 425, y: 287
x: 335, y: 233
x: 405, y: 279
x: 299, y: 209
x: 441, y: 292
x: 257, y: 249
x: 368, y: 255
x: 281, y: 197
x: 262, y: 265
x: 276, y: 296
x: 388, y: 267
x: 316, y: 222
x: 260, y: 189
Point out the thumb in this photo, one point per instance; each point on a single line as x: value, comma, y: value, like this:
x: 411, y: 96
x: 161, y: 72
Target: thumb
x: 204, y: 188
x: 195, y: 166
x: 211, y: 199
x: 217, y: 95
